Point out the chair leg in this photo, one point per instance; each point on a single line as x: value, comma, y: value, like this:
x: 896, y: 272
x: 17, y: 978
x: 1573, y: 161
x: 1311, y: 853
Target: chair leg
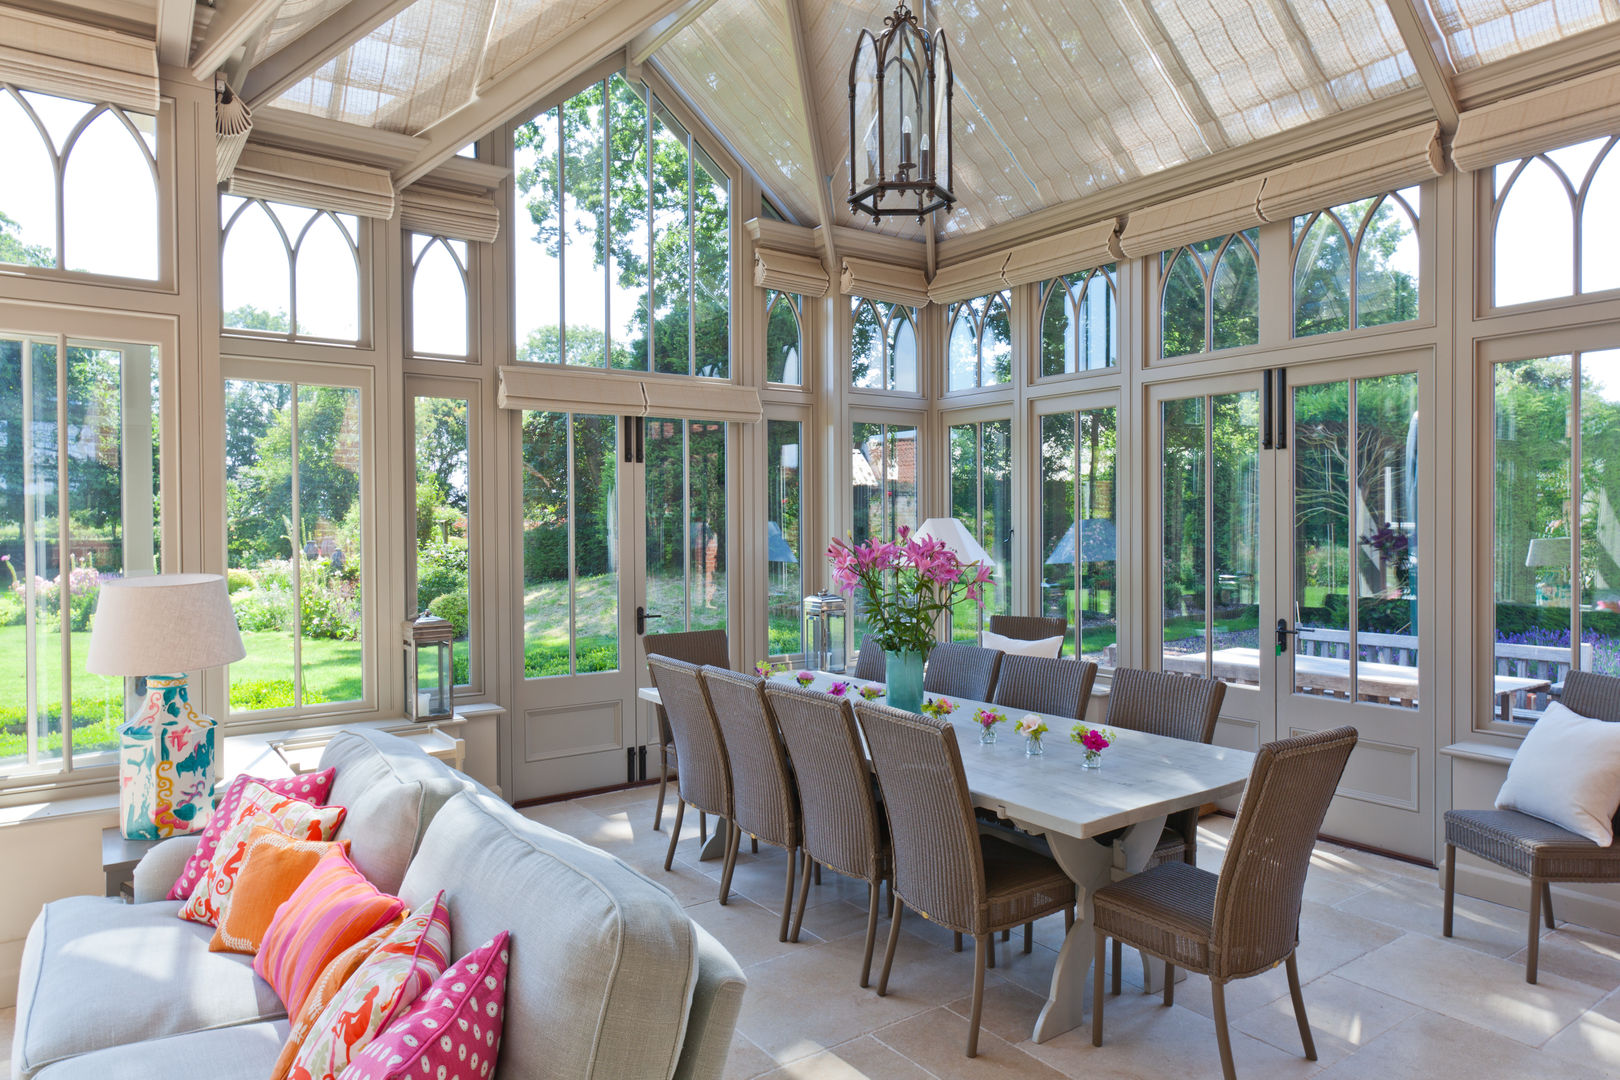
x: 753, y: 845
x: 818, y: 873
x: 663, y: 784
x: 1546, y: 905
x: 958, y: 947
x: 733, y: 842
x: 890, y: 890
x: 1097, y: 956
x: 1299, y: 1009
x: 871, y: 932
x: 991, y: 962
x: 675, y: 834
x: 1535, y: 930
x: 980, y: 941
x: 804, y: 891
x: 1451, y: 888
x: 1119, y: 963
x: 787, y: 896
x: 703, y: 827
x: 1223, y: 1037
x: 1029, y: 937
x: 1169, y: 984
x: 888, y: 953
x: 1006, y: 935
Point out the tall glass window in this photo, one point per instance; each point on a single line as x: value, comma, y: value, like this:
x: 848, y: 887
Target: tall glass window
x: 1356, y: 265
x: 294, y: 493
x: 687, y: 584
x: 290, y: 271
x: 627, y: 259
x: 884, y: 486
x: 444, y: 520
x: 1556, y: 481
x: 980, y: 342
x: 1080, y: 322
x: 91, y: 410
x: 882, y: 346
x: 981, y: 499
x: 1079, y: 573
x: 1210, y: 295
x: 784, y: 537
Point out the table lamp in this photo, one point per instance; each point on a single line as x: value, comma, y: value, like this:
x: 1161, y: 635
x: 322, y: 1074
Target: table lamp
x: 956, y: 538
x: 161, y: 628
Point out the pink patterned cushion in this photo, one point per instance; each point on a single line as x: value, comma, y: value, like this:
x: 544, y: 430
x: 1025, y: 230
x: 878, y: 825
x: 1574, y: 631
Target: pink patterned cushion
x: 311, y: 787
x: 385, y: 985
x: 452, y: 1030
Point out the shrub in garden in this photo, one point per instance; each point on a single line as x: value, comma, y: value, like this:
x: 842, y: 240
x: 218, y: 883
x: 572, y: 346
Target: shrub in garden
x: 264, y: 608
x: 237, y: 580
x: 452, y: 606
x: 440, y: 568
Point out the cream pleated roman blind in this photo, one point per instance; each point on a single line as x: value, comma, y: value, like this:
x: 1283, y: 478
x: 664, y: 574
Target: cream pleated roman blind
x: 460, y: 215
x: 1077, y: 249
x: 788, y: 271
x: 73, y: 60
x: 558, y: 388
x: 1229, y: 208
x: 889, y: 282
x: 1565, y: 113
x: 269, y: 172
x: 1368, y: 168
x: 969, y: 278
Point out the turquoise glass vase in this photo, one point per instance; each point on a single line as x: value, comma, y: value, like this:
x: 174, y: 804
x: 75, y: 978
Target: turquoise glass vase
x: 903, y: 673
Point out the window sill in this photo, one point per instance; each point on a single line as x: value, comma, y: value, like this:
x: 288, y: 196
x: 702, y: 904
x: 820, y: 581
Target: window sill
x: 1489, y: 753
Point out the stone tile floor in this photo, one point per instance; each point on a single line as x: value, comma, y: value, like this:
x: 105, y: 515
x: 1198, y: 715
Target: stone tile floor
x: 1388, y: 998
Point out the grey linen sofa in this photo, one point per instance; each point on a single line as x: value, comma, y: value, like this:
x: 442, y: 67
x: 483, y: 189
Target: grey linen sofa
x: 609, y: 978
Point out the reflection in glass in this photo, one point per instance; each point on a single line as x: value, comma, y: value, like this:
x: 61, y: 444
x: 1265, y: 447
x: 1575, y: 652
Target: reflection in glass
x: 1322, y: 278
x: 981, y: 498
x: 883, y: 487
x: 963, y: 349
x: 706, y: 525
x: 1182, y: 304
x: 1235, y: 532
x: 783, y: 339
x: 672, y: 245
x: 627, y: 199
x: 1235, y: 295
x: 443, y: 504
x: 1600, y: 511
x: 1183, y: 461
x: 882, y: 346
x: 995, y: 360
x: 784, y: 540
x: 711, y: 268
x: 866, y: 347
x: 902, y: 365
x: 547, y: 519
x: 1387, y: 524
x: 596, y: 543
x: 1323, y: 544
x: 1387, y: 262
x: 536, y: 150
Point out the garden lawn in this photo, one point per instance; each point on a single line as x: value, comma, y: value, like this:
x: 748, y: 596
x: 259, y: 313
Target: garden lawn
x: 332, y: 669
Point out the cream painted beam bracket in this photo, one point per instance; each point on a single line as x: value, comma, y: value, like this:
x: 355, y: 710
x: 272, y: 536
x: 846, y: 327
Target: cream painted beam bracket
x: 234, y: 23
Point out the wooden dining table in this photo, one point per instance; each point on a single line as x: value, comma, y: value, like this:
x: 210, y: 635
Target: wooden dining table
x: 1142, y: 780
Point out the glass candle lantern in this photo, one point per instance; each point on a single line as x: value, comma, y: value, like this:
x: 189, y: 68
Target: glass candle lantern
x: 824, y: 619
x: 429, y: 676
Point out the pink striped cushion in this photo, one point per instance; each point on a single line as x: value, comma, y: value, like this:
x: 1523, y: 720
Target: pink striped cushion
x: 333, y: 908
x: 313, y: 787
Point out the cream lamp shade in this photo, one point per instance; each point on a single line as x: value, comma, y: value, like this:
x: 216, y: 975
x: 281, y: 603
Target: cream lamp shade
x: 166, y: 624
x: 1548, y: 551
x: 956, y: 538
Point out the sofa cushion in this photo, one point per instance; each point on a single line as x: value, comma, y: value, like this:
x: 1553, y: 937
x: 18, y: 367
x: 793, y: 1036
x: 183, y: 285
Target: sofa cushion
x: 139, y: 971
x: 238, y: 1053
x: 392, y: 789
x: 311, y: 787
x: 603, y: 961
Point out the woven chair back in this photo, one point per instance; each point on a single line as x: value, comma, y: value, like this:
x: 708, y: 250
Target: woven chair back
x: 1593, y: 695
x: 1058, y: 688
x: 871, y: 664
x: 763, y: 798
x: 1030, y: 627
x: 838, y: 807
x: 695, y: 647
x: 705, y: 774
x: 1263, y: 879
x: 938, y: 863
x: 965, y: 671
x: 1165, y: 703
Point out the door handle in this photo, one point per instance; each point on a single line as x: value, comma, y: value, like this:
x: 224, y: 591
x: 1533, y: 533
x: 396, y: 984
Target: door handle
x: 642, y: 615
x: 1282, y: 635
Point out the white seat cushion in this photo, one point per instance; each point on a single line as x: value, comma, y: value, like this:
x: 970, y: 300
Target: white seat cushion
x: 1050, y: 646
x: 1567, y: 771
x: 246, y: 1052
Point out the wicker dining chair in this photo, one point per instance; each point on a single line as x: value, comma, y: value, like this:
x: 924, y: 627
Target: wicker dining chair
x: 1031, y: 628
x: 965, y: 671
x: 871, y: 664
x: 1529, y: 846
x: 695, y: 647
x: 704, y: 778
x: 843, y: 827
x: 943, y: 868
x: 1245, y: 921
x: 1058, y: 688
x: 764, y: 802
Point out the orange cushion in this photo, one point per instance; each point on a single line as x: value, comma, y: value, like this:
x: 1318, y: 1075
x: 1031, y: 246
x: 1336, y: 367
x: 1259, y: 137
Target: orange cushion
x: 274, y: 865
x: 326, y: 987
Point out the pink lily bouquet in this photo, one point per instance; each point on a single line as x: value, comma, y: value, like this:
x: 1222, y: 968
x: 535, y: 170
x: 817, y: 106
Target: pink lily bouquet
x: 1094, y: 741
x: 987, y: 719
x: 905, y: 586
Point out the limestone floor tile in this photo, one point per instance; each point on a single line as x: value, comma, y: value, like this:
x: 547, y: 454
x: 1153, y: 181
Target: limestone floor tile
x: 809, y: 1000
x: 1010, y: 1011
x: 1243, y: 996
x: 1594, y: 1038
x: 859, y: 1059
x: 1466, y: 985
x: 1143, y: 1039
x: 1575, y: 952
x: 746, y: 1061
x: 1344, y: 1016
x: 937, y: 1040
x: 748, y: 930
x: 1428, y: 1045
x: 1332, y: 878
x: 1417, y: 906
x: 8, y: 1022
x: 1330, y: 937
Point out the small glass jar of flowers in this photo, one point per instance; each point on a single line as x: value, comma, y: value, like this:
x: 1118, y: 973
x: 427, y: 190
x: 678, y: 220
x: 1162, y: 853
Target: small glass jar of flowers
x: 805, y: 678
x: 987, y: 719
x: 838, y: 689
x: 765, y: 669
x: 1032, y: 727
x: 1094, y: 740
x: 872, y: 691
x: 939, y: 708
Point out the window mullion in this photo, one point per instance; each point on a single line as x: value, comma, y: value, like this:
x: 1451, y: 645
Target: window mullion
x: 295, y: 541
x: 1577, y: 383
x: 64, y: 579
x: 573, y: 529
x: 30, y: 561
x: 562, y: 245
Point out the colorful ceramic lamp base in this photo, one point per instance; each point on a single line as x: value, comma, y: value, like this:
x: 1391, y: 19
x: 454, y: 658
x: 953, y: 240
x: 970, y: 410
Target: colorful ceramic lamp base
x: 165, y: 764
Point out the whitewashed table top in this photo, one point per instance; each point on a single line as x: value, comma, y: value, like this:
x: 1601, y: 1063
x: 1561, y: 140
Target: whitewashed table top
x: 1142, y: 776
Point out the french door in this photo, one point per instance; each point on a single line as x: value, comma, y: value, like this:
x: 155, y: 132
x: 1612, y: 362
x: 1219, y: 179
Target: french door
x: 625, y: 532
x: 1287, y: 532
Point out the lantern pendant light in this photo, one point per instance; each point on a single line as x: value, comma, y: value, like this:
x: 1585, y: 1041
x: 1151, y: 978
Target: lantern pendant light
x: 900, y: 120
